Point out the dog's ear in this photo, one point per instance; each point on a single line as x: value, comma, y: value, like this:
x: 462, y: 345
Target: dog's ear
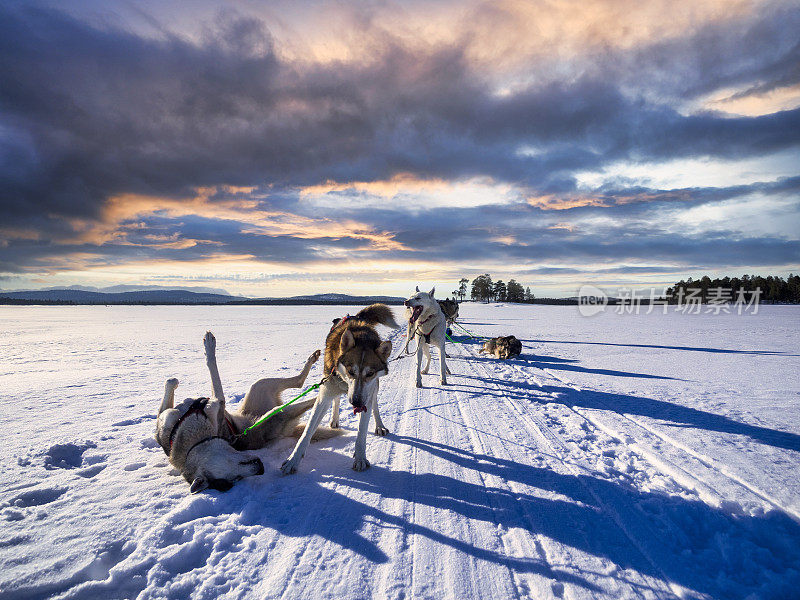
x: 348, y: 341
x: 198, y: 485
x: 384, y: 350
x: 433, y: 289
x: 417, y: 288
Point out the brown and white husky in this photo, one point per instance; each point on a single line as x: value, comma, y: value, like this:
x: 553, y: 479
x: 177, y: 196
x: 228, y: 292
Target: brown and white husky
x: 355, y: 359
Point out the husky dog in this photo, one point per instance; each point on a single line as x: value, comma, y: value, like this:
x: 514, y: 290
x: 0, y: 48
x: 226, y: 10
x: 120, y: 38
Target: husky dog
x: 199, y: 435
x: 450, y: 310
x: 355, y: 360
x: 502, y: 347
x: 427, y: 323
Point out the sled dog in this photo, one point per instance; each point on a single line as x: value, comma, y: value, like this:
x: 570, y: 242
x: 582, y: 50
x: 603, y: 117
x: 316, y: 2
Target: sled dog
x: 450, y: 310
x: 502, y: 347
x: 426, y: 323
x: 199, y: 435
x: 355, y: 360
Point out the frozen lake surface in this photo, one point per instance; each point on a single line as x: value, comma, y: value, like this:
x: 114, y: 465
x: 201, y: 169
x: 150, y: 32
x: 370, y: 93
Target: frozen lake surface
x: 621, y: 456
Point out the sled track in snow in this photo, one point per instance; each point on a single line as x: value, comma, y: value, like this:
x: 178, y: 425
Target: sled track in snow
x: 559, y: 448
x: 702, y: 485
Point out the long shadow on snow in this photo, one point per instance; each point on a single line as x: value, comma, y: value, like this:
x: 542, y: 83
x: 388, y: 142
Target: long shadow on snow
x: 682, y: 416
x: 690, y: 556
x: 691, y: 348
x: 543, y: 362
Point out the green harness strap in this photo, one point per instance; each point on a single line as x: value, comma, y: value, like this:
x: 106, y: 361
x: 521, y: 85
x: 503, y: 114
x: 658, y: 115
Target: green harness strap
x: 277, y: 410
x: 475, y: 337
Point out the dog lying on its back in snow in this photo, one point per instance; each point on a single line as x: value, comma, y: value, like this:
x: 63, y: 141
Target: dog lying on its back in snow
x: 355, y: 360
x: 426, y: 323
x: 502, y: 347
x: 198, y: 435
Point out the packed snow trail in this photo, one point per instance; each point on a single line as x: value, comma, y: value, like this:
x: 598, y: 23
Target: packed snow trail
x: 588, y: 473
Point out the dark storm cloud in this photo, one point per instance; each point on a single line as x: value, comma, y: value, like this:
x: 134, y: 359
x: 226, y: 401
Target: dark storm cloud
x: 88, y: 113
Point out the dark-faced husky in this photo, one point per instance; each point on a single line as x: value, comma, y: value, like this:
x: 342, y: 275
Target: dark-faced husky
x: 355, y: 360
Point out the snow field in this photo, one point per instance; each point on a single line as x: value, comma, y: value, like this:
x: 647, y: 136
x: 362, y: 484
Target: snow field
x: 622, y: 456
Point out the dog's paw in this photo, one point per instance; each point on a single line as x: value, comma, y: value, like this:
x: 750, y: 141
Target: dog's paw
x: 314, y: 356
x: 289, y: 467
x: 172, y: 383
x: 334, y: 424
x: 360, y: 464
x: 419, y: 384
x: 381, y: 431
x: 424, y: 371
x: 210, y: 342
x: 444, y: 382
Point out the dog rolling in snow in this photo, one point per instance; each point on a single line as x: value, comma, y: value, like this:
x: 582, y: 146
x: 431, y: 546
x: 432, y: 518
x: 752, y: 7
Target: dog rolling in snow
x: 426, y: 323
x: 355, y: 360
x: 502, y: 347
x: 199, y: 435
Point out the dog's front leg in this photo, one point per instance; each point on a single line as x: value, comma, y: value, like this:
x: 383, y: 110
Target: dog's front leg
x: 360, y: 462
x: 426, y: 350
x: 380, y: 428
x: 289, y: 466
x: 419, y: 362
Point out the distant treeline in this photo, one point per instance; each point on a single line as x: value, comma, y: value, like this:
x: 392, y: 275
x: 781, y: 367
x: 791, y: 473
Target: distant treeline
x: 22, y: 302
x: 483, y: 289
x: 773, y: 289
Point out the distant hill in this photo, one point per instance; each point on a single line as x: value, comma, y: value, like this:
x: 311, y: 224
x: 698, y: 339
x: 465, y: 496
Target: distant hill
x: 179, y: 296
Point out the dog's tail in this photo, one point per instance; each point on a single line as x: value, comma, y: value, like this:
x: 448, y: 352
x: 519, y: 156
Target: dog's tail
x: 322, y: 433
x: 378, y: 313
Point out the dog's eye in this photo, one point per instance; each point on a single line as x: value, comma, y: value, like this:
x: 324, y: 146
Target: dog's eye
x: 369, y: 374
x: 351, y: 372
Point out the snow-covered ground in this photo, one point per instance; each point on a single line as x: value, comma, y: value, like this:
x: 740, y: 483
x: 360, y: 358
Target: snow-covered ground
x: 620, y: 456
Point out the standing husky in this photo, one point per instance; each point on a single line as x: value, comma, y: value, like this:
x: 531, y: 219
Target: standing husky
x: 355, y: 359
x: 199, y: 435
x: 426, y: 322
x: 450, y: 310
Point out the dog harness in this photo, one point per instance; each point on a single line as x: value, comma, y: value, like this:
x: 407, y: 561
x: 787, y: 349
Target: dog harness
x: 427, y: 336
x: 198, y: 406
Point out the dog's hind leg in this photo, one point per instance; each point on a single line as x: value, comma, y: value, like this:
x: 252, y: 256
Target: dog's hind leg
x: 210, y: 343
x: 169, y: 395
x: 380, y: 428
x: 298, y: 380
x: 265, y: 394
x: 419, y: 363
x: 444, y: 370
x: 326, y: 393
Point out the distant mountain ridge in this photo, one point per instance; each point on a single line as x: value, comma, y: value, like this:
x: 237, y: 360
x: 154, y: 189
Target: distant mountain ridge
x: 176, y: 296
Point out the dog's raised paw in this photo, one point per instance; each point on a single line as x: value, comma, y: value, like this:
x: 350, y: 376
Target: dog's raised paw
x: 360, y: 464
x: 381, y: 431
x: 315, y: 356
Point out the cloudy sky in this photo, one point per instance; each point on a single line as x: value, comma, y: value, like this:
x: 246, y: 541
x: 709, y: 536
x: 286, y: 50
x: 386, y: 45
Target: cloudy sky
x: 278, y: 148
